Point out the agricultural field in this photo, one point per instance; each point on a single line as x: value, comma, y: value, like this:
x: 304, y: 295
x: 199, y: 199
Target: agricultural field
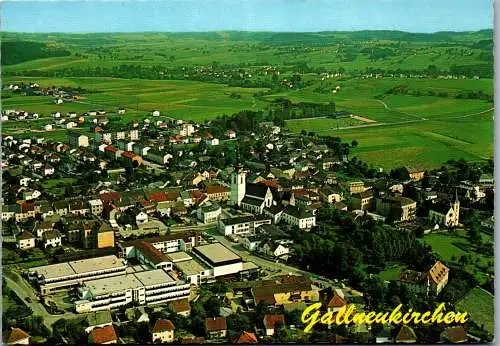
x: 480, y: 305
x: 187, y: 100
x: 188, y: 76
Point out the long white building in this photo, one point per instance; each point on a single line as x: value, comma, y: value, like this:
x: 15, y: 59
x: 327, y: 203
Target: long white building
x: 60, y: 276
x: 143, y: 288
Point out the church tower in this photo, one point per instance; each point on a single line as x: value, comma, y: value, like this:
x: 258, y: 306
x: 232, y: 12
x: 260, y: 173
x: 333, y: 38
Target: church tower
x: 456, y: 209
x: 238, y: 182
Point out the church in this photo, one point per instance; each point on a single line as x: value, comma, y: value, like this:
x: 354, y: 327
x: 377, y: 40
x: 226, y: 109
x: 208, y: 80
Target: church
x: 445, y: 215
x: 250, y: 197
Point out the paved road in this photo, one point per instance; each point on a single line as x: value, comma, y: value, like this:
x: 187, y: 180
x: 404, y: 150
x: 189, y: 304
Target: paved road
x: 23, y: 290
x: 279, y: 268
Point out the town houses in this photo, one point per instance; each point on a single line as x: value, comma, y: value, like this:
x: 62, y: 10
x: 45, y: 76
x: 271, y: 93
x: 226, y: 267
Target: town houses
x: 168, y: 217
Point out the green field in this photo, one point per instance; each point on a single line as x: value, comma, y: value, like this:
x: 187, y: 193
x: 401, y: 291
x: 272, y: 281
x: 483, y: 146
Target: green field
x: 450, y: 245
x: 481, y: 307
x: 391, y: 273
x: 409, y: 130
x: 179, y: 99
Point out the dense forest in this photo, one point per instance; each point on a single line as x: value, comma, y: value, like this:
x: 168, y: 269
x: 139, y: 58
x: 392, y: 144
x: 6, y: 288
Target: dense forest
x: 14, y: 52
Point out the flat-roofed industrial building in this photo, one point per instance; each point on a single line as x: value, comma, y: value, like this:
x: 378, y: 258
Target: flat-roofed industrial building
x: 60, y: 276
x: 144, y: 288
x: 219, y: 258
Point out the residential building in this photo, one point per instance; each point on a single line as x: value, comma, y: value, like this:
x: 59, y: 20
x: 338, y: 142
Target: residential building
x: 275, y: 249
x: 397, y: 208
x: 245, y: 338
x: 216, y: 327
x: 353, y: 186
x: 298, y: 217
x: 415, y: 174
x: 52, y: 238
x: 25, y: 240
x: 174, y: 242
x: 362, y: 200
x: 103, y: 336
x: 218, y: 192
x: 76, y: 140
x: 285, y: 290
x: 406, y: 335
x: 163, y: 331
x: 180, y: 307
x: 241, y: 225
x: 16, y: 336
x: 105, y: 236
x: 431, y: 282
x: 209, y: 212
x: 96, y: 207
x: 271, y: 322
x: 454, y: 335
x: 98, y: 319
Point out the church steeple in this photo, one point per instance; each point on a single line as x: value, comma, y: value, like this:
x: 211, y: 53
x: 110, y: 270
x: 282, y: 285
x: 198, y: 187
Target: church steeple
x: 238, y: 167
x: 238, y: 181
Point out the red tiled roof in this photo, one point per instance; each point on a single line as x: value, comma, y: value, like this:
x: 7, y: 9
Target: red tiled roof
x: 270, y: 183
x: 455, y: 334
x: 337, y: 302
x: 163, y: 325
x: 103, y: 335
x: 180, y: 305
x: 157, y: 196
x: 215, y: 324
x: 270, y: 321
x: 109, y: 197
x: 217, y: 189
x: 26, y: 207
x: 111, y: 148
x: 15, y: 335
x: 246, y: 338
x: 129, y: 155
x: 152, y: 253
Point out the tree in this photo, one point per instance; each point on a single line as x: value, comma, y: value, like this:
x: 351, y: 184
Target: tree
x: 354, y: 143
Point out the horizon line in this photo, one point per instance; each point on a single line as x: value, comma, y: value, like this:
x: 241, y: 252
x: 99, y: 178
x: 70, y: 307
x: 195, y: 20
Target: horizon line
x: 249, y: 31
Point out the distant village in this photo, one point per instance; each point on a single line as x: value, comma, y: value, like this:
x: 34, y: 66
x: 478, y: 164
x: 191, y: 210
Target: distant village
x: 172, y: 215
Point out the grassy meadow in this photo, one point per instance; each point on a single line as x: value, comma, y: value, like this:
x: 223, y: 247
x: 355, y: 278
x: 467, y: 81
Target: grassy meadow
x: 423, y: 130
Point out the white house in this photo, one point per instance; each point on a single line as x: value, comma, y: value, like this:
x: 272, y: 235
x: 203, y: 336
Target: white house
x: 141, y: 218
x: 275, y: 249
x: 48, y: 170
x: 213, y: 141
x: 96, y: 206
x: 163, y: 331
x: 209, y: 212
x: 155, y: 113
x: 298, y: 217
x: 251, y: 243
x: 52, y: 238
x: 25, y: 240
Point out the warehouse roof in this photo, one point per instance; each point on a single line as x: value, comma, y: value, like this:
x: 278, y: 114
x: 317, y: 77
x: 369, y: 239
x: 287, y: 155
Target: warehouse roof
x: 216, y: 253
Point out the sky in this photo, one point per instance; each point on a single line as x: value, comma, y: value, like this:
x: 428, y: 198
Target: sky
x: 249, y: 15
